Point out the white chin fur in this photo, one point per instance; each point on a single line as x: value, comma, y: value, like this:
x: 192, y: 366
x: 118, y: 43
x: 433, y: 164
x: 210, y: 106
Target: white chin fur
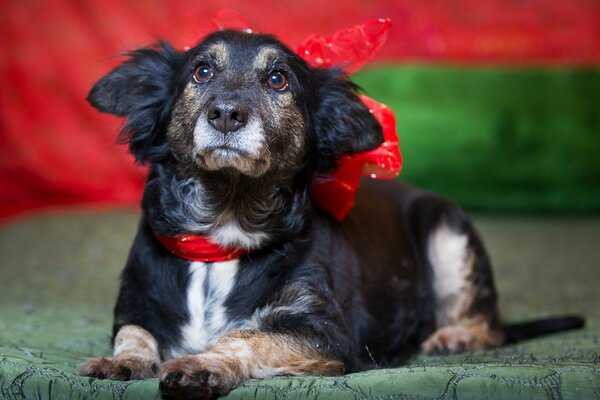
x: 243, y: 150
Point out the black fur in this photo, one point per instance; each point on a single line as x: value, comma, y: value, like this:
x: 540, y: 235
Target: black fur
x: 524, y: 330
x: 341, y: 122
x: 142, y: 89
x: 365, y: 284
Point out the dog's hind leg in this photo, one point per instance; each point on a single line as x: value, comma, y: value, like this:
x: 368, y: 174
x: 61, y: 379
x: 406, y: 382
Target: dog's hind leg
x: 239, y: 356
x: 135, y: 356
x: 460, y: 279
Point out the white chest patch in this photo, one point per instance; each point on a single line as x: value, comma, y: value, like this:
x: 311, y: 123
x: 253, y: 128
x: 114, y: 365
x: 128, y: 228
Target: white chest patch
x: 209, y: 287
x: 230, y: 234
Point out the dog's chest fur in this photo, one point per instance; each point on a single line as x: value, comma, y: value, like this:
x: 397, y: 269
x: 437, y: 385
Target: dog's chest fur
x: 209, y: 287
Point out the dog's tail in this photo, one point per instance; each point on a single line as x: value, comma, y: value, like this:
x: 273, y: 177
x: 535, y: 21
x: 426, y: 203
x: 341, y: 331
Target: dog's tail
x: 529, y: 329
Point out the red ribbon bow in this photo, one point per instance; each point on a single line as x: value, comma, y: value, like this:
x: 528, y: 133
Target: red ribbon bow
x: 350, y: 49
x: 334, y: 192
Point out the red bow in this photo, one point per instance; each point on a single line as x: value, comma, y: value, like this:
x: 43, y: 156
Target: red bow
x: 349, y: 49
x: 335, y: 192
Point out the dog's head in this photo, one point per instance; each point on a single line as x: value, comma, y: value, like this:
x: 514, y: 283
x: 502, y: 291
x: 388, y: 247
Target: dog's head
x: 239, y: 102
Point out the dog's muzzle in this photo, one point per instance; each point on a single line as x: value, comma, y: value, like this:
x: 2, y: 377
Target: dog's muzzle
x: 228, y: 136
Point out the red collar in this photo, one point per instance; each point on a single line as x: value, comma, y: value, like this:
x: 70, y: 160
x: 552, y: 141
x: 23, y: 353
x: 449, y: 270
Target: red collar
x: 199, y: 248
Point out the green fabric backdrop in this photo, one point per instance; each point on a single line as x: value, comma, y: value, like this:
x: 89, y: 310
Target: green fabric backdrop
x: 497, y: 139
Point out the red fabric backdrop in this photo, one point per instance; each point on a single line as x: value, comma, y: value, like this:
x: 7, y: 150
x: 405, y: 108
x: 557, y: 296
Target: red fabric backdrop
x: 56, y: 150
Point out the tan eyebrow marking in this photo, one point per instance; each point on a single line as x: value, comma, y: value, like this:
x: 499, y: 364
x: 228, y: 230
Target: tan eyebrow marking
x: 265, y: 57
x: 219, y: 53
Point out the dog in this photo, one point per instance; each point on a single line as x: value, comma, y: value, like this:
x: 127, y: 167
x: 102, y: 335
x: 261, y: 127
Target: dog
x: 234, y: 130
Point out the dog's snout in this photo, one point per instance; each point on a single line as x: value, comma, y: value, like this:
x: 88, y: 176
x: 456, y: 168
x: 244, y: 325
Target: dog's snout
x: 227, y: 116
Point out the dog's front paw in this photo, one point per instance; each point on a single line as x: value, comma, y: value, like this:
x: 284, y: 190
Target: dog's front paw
x: 119, y: 368
x: 195, y: 377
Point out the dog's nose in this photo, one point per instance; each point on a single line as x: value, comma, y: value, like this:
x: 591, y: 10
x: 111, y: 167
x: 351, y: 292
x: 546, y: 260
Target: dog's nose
x: 227, y: 116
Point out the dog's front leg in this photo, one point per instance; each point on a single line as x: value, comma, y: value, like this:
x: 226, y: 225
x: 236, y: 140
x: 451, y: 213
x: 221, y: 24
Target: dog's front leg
x: 135, y: 356
x: 239, y: 356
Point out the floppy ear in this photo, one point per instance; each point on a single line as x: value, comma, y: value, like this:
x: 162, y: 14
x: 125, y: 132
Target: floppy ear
x: 142, y: 90
x: 343, y: 124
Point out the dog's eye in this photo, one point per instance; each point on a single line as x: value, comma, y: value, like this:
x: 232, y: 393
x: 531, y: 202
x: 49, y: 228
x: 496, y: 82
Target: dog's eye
x: 277, y: 80
x: 203, y: 74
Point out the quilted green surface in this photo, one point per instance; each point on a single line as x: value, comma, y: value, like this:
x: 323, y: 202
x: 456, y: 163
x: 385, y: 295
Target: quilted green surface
x: 59, y: 281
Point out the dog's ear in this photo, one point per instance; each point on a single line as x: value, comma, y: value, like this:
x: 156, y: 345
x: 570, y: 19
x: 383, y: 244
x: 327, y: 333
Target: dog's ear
x: 141, y: 89
x: 343, y: 124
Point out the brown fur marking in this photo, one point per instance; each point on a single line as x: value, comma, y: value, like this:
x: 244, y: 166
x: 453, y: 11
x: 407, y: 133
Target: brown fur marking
x: 135, y: 357
x: 469, y: 335
x: 239, y: 356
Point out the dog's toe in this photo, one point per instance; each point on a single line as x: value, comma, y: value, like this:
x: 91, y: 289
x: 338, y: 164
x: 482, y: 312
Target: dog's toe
x: 120, y: 369
x: 187, y: 378
x: 96, y: 367
x: 458, y: 338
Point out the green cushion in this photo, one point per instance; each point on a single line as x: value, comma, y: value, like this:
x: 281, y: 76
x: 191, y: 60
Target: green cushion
x: 60, y: 277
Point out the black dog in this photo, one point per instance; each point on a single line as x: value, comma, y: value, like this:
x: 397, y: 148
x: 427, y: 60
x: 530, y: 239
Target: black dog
x: 234, y: 130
